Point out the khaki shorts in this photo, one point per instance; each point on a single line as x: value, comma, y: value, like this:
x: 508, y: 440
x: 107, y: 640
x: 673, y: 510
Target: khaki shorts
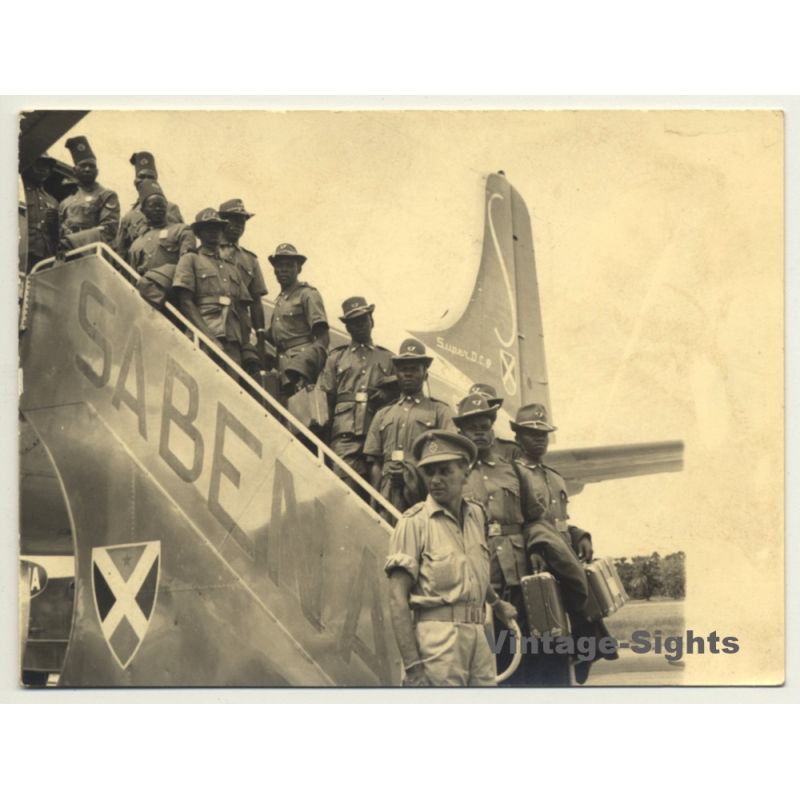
x: 455, y: 654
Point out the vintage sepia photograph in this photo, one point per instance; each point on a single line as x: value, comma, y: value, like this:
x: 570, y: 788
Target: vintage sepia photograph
x: 401, y: 399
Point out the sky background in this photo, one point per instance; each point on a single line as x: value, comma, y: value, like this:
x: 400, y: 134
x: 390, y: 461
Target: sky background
x: 659, y: 247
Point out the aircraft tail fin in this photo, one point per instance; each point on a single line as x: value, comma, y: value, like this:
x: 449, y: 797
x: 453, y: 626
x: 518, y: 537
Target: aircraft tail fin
x: 499, y: 338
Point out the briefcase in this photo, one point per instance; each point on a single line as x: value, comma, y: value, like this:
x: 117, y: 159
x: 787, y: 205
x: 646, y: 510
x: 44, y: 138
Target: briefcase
x: 606, y: 592
x: 310, y: 406
x: 544, y: 606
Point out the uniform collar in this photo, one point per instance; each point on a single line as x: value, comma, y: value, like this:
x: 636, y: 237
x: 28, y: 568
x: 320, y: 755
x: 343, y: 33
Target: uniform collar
x: 367, y: 346
x: 90, y: 189
x: 291, y: 290
x: 432, y: 508
x: 417, y: 398
x: 208, y: 251
x: 486, y: 461
x: 223, y: 242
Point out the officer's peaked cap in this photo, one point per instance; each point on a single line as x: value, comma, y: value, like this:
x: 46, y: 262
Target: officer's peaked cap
x: 474, y: 405
x: 286, y: 250
x: 208, y: 216
x: 434, y: 446
x: 80, y: 149
x: 532, y: 417
x: 144, y: 161
x: 234, y: 207
x: 412, y: 350
x: 355, y: 307
x: 487, y: 391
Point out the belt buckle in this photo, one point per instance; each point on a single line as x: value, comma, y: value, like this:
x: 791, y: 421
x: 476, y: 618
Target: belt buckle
x: 361, y: 397
x: 495, y: 529
x: 224, y: 301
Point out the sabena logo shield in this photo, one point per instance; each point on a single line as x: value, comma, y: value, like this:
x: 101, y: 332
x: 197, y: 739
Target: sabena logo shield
x: 125, y: 585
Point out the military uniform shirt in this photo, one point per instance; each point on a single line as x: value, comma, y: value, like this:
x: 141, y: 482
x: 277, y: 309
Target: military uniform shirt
x: 90, y: 215
x: 296, y: 312
x: 509, y: 500
x: 395, y: 427
x: 449, y: 564
x: 38, y: 201
x: 350, y: 369
x: 134, y: 224
x: 159, y: 246
x: 207, y: 275
x: 550, y: 491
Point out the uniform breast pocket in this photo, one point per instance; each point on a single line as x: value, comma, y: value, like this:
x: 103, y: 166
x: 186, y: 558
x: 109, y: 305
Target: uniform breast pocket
x: 424, y: 421
x: 445, y: 570
x: 294, y: 320
x: 208, y: 283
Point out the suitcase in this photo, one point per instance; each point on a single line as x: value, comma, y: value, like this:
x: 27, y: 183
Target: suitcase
x: 606, y: 593
x: 544, y: 606
x: 310, y: 406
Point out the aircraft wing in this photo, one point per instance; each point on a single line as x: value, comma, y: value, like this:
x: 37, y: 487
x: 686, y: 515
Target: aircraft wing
x: 584, y: 465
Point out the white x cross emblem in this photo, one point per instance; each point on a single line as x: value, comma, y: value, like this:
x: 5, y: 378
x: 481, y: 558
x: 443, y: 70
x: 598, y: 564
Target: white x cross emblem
x: 508, y: 366
x: 125, y: 605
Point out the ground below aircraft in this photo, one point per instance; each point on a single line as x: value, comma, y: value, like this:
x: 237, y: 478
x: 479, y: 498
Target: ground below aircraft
x: 203, y: 543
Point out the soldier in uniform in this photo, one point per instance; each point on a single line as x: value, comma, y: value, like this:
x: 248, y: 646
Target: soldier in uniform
x: 235, y: 214
x: 42, y: 211
x: 134, y: 223
x: 521, y: 541
x: 211, y: 289
x: 388, y: 447
x: 299, y: 326
x: 438, y: 569
x: 532, y: 430
x: 156, y: 252
x: 504, y: 447
x: 92, y: 213
x: 351, y: 377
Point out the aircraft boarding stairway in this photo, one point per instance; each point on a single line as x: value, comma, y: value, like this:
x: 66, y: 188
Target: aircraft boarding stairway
x: 212, y: 547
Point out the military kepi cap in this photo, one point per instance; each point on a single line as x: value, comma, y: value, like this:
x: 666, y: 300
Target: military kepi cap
x: 286, y: 250
x: 412, y: 350
x: 474, y: 405
x: 208, y: 216
x: 234, y: 207
x: 434, y: 446
x: 355, y: 307
x: 143, y: 162
x: 532, y: 417
x: 80, y: 149
x: 147, y: 188
x: 489, y: 392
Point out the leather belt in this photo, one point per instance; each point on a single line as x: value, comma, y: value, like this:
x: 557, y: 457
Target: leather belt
x: 456, y: 613
x: 352, y: 397
x: 496, y: 529
x: 285, y: 344
x: 212, y: 300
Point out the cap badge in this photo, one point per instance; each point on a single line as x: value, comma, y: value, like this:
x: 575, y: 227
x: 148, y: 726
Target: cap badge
x: 433, y: 448
x: 81, y: 147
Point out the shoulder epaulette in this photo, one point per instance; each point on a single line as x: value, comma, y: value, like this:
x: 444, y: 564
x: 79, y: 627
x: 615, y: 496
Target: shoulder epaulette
x: 547, y: 466
x: 476, y: 502
x: 249, y: 252
x: 385, y: 349
x: 336, y: 349
x: 414, y: 510
x: 437, y: 400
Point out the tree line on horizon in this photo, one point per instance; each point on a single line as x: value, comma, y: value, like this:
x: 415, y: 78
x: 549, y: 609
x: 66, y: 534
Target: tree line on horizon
x: 646, y: 576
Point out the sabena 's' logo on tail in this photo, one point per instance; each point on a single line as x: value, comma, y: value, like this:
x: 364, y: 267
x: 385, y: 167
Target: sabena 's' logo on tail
x: 125, y: 584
